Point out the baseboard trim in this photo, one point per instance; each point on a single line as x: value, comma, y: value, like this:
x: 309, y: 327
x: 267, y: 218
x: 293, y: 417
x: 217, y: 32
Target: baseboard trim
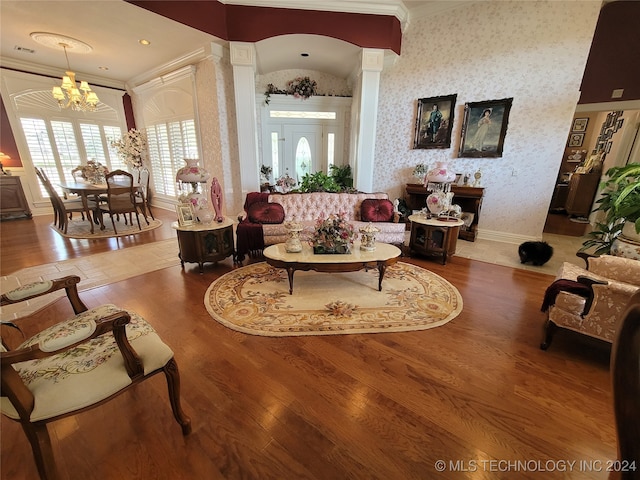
x: 505, y: 237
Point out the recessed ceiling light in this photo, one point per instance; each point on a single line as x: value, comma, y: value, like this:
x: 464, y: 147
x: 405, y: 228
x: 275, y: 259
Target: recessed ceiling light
x: 304, y: 54
x: 144, y: 42
x: 103, y: 68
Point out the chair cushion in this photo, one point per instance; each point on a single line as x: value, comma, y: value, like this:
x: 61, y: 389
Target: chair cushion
x: 376, y: 210
x: 265, y: 212
x: 89, y: 373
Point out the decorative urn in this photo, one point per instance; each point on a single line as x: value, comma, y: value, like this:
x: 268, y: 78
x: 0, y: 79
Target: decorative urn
x: 191, y: 180
x: 368, y: 238
x: 441, y: 174
x: 293, y: 244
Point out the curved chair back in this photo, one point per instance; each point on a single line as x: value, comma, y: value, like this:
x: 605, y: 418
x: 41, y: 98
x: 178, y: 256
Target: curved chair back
x: 625, y: 375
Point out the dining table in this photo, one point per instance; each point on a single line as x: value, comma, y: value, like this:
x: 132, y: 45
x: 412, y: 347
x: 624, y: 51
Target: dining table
x: 85, y: 190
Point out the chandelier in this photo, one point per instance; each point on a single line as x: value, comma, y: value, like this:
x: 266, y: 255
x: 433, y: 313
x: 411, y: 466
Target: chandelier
x: 69, y: 95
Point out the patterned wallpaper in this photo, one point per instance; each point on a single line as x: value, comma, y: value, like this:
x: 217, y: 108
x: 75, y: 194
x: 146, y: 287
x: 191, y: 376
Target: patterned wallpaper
x: 534, y: 52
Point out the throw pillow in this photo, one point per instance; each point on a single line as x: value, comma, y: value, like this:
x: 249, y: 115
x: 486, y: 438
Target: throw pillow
x: 376, y: 210
x: 265, y: 212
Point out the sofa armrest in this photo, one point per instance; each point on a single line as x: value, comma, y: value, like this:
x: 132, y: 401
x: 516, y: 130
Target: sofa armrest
x: 622, y: 269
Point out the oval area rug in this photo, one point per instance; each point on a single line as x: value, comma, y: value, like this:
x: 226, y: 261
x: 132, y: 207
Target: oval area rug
x: 255, y: 299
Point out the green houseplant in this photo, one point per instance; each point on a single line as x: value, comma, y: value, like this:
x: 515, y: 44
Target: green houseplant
x: 342, y: 176
x: 620, y: 203
x: 317, y: 182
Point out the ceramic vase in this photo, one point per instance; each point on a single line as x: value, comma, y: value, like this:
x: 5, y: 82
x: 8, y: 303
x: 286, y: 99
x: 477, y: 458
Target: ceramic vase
x: 293, y: 243
x: 368, y: 238
x: 439, y: 202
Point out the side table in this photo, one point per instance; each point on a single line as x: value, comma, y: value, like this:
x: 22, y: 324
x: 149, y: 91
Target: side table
x: 430, y: 236
x: 200, y: 243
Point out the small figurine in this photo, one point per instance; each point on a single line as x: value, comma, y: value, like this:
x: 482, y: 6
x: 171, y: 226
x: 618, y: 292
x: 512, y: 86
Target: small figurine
x: 216, y: 199
x: 466, y: 180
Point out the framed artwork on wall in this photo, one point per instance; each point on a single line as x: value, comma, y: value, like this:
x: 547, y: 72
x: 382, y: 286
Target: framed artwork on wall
x: 484, y: 128
x: 580, y: 124
x: 186, y: 215
x: 576, y: 139
x: 434, y: 122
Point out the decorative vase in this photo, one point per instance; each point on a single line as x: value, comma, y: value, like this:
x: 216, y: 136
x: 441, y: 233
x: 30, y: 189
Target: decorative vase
x: 293, y: 244
x: 441, y: 173
x: 368, y: 238
x: 627, y: 244
x: 439, y: 201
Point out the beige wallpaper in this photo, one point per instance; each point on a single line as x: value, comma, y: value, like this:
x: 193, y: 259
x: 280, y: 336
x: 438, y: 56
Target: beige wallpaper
x: 534, y: 52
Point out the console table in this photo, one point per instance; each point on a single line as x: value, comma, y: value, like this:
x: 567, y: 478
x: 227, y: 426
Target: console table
x: 469, y: 199
x: 430, y: 236
x: 200, y: 243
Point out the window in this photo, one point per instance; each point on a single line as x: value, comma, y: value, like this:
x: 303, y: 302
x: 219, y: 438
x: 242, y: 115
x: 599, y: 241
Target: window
x: 55, y: 147
x: 169, y: 144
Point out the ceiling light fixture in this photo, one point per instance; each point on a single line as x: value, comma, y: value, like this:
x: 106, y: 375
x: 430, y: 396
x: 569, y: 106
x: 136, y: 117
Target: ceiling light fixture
x: 68, y: 94
x: 144, y: 42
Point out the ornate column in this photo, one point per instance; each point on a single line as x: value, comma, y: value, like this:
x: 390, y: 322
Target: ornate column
x: 243, y: 60
x: 366, y: 120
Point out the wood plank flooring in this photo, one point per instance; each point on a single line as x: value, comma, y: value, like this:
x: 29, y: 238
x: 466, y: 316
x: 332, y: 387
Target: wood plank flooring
x: 476, y: 393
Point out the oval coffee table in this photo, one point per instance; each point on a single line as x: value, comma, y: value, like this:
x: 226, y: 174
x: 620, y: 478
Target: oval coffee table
x: 383, y: 256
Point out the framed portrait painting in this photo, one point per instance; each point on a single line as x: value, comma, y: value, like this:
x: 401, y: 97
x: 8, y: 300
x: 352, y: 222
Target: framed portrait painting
x: 484, y: 128
x: 186, y: 215
x: 434, y: 122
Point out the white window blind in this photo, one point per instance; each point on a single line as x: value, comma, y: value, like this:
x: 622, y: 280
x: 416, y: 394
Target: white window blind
x: 54, y: 147
x: 169, y: 144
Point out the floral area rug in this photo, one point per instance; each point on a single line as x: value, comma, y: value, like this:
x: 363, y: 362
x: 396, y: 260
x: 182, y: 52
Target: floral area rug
x: 79, y: 228
x: 255, y: 299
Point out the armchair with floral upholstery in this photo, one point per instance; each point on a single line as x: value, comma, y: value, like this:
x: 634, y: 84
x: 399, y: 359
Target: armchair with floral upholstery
x: 590, y: 301
x: 78, y: 364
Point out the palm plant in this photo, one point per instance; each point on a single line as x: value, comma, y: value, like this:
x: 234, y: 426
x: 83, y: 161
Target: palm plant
x: 620, y: 202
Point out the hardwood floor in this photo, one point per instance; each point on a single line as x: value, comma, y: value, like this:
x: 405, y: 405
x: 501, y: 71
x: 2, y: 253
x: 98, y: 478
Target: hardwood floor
x: 476, y: 393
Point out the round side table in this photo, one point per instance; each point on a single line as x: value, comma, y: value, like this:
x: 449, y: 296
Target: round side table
x: 430, y: 236
x: 200, y: 243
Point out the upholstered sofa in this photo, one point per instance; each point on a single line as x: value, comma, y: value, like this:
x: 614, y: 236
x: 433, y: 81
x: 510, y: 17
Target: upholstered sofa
x: 591, y: 301
x: 263, y: 221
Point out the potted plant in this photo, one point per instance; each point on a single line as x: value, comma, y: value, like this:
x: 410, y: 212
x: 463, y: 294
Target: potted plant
x: 620, y: 203
x: 342, y: 176
x: 318, y: 182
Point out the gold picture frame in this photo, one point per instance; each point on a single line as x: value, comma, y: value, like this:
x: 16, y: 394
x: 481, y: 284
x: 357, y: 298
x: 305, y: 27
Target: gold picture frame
x: 186, y: 214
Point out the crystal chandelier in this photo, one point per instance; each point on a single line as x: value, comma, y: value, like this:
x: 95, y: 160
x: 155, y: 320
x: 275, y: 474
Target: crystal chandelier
x: 68, y: 94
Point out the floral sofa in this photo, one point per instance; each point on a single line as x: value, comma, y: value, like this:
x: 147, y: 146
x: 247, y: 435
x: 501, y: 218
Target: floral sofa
x: 591, y: 301
x: 263, y: 221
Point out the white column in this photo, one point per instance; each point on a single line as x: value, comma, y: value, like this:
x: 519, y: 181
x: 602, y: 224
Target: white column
x: 243, y: 60
x: 366, y: 120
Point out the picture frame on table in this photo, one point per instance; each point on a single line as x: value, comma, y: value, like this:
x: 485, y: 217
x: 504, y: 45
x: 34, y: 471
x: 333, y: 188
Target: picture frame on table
x: 484, y: 128
x: 580, y: 125
x: 576, y: 139
x: 186, y: 214
x: 434, y: 122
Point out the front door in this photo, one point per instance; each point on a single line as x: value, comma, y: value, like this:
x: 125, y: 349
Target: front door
x: 303, y: 150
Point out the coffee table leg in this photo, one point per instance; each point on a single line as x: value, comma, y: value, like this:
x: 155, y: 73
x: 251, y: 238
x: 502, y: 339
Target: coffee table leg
x: 381, y: 269
x: 290, y: 272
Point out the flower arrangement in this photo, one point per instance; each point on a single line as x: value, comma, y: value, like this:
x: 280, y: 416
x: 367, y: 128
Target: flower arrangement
x: 333, y: 235
x: 265, y: 172
x: 299, y: 87
x: 285, y: 182
x: 93, y: 172
x: 302, y: 87
x: 420, y: 171
x: 131, y: 148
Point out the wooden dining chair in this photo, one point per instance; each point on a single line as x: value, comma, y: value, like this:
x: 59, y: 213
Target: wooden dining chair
x: 143, y: 193
x: 77, y: 365
x: 120, y: 198
x: 63, y: 208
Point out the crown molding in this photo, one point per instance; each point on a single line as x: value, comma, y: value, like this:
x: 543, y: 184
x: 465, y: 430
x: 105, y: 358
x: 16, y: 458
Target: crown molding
x: 53, y: 72
x: 373, y: 7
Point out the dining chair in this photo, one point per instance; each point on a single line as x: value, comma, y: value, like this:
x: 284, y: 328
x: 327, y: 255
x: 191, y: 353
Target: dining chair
x: 143, y: 192
x: 78, y: 364
x: 625, y: 379
x: 63, y: 208
x: 120, y: 198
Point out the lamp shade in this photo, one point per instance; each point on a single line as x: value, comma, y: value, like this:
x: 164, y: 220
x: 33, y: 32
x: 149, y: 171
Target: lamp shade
x: 192, y: 172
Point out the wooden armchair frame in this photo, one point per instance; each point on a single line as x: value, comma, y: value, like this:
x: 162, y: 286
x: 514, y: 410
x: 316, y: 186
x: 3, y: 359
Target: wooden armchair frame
x: 23, y: 399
